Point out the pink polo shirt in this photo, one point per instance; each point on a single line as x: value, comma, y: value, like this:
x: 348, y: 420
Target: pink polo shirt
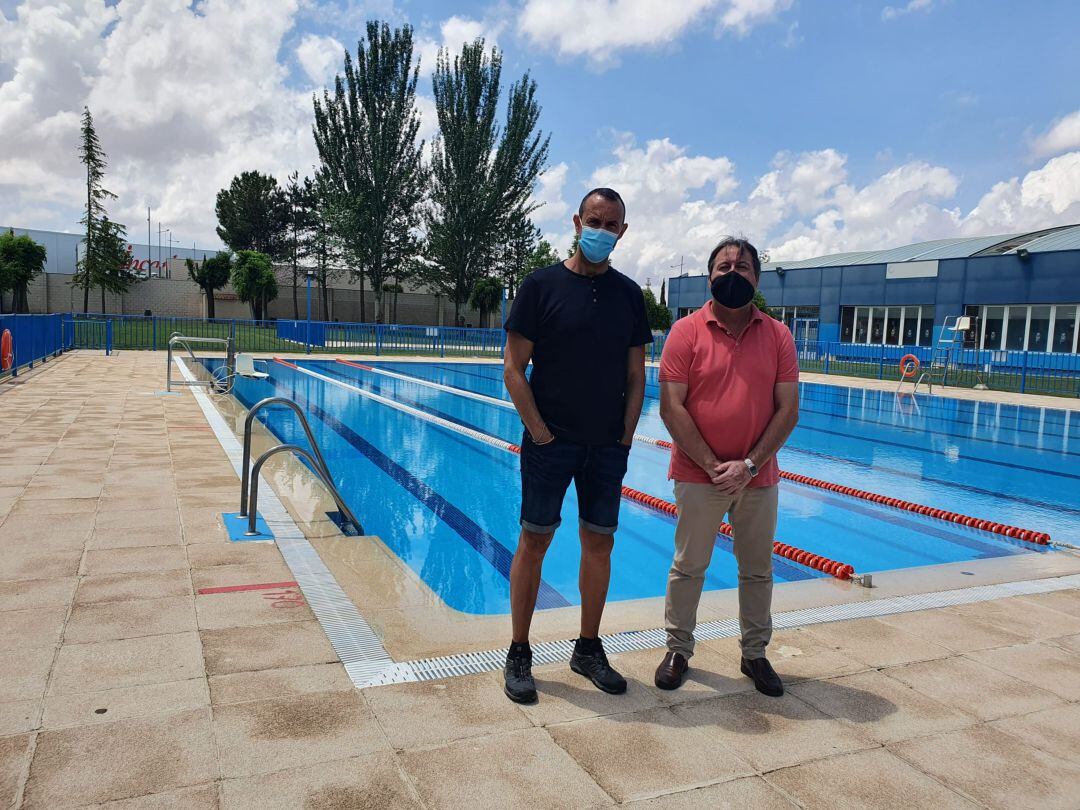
x: 730, y: 394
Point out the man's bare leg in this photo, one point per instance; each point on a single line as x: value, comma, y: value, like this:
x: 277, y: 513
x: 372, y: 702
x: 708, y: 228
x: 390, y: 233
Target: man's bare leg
x: 593, y: 578
x: 525, y: 581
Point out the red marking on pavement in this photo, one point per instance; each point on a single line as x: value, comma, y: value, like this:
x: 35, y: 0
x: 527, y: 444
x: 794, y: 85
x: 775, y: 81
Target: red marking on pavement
x: 266, y: 586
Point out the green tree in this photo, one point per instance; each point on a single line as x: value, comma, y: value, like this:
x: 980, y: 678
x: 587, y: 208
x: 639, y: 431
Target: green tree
x: 663, y: 293
x: 21, y: 258
x: 485, y: 297
x: 90, y: 271
x: 659, y: 316
x: 323, y: 244
x: 212, y: 274
x: 254, y: 281
x: 759, y: 302
x: 370, y: 158
x: 573, y: 247
x: 108, y: 259
x: 482, y: 174
x: 253, y: 214
x: 301, y: 198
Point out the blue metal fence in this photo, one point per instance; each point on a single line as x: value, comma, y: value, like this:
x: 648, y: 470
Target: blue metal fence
x: 34, y: 339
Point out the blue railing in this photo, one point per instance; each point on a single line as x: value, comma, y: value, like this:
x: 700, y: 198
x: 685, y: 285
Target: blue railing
x: 34, y: 339
x: 1025, y: 372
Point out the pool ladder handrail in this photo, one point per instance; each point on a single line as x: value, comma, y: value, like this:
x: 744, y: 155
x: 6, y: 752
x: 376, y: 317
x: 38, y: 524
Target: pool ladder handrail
x: 218, y: 385
x: 249, y: 480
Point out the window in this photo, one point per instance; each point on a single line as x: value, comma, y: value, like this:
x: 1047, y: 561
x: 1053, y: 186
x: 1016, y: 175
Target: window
x: 862, y: 315
x: 910, y: 335
x: 847, y: 324
x: 926, y: 326
x: 1038, y: 329
x: 1064, y: 329
x: 993, y: 322
x: 891, y: 326
x: 1016, y: 329
x: 877, y: 324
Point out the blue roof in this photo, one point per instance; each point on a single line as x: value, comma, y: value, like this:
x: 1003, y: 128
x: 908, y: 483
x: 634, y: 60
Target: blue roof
x: 1062, y: 238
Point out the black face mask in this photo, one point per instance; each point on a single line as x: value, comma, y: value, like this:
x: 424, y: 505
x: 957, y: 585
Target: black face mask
x: 732, y: 290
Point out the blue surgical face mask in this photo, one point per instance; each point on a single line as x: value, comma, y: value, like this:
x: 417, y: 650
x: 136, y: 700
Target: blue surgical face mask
x: 596, y: 243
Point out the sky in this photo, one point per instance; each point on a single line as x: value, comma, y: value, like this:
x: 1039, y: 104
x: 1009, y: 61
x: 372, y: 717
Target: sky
x: 807, y: 126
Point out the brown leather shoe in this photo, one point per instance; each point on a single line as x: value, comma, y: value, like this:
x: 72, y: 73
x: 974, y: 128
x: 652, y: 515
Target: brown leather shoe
x: 672, y: 671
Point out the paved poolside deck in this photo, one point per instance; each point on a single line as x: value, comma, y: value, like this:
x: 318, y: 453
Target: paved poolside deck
x: 120, y: 682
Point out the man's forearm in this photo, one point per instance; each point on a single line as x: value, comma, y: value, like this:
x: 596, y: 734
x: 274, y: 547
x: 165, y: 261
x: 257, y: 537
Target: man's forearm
x: 635, y: 397
x: 522, y: 396
x: 687, y: 436
x: 775, y: 434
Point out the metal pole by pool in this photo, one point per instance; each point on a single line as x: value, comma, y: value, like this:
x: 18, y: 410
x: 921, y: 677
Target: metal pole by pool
x: 309, y: 275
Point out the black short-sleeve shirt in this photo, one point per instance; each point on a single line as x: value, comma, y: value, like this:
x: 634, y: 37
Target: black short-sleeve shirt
x: 582, y: 328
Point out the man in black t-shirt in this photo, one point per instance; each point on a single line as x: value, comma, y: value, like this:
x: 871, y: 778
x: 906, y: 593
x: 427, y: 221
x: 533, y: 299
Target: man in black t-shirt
x: 583, y: 325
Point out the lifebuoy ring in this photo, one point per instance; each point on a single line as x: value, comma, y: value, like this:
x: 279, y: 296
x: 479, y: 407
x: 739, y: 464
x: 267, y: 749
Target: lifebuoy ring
x: 7, y: 351
x: 909, y: 366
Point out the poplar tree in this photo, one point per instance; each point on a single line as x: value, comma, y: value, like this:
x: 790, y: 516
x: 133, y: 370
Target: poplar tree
x: 371, y: 164
x: 482, y: 173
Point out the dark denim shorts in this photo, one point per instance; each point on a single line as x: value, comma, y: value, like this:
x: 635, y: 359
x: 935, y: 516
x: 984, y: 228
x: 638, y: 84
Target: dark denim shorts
x: 597, y: 471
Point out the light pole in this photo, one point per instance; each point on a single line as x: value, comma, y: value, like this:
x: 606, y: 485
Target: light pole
x: 149, y: 244
x: 310, y: 275
x: 168, y: 258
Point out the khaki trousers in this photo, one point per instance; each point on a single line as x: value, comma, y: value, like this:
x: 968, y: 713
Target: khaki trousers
x: 753, y: 518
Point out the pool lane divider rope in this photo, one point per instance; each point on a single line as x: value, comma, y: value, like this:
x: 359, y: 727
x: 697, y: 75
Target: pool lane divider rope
x: 1014, y: 532
x: 801, y: 556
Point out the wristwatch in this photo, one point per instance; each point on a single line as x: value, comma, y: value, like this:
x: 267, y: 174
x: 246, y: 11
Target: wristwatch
x: 751, y: 467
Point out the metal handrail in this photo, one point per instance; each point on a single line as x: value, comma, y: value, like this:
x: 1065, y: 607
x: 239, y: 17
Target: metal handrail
x: 177, y: 339
x: 249, y: 481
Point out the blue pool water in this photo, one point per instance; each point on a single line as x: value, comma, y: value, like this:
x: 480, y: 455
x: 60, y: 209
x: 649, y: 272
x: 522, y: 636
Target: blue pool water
x: 447, y: 504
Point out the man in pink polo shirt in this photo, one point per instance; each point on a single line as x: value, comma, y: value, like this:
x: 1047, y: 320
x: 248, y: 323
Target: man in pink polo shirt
x: 729, y: 396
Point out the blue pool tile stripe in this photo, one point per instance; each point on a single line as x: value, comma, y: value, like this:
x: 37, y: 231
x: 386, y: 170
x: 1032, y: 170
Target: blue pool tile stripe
x: 485, y: 544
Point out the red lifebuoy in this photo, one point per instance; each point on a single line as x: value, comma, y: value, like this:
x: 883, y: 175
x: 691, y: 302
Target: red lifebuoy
x: 7, y: 351
x: 909, y: 366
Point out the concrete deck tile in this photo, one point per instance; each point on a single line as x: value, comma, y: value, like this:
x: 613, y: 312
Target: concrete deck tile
x: 127, y: 662
x: 254, y: 574
x: 240, y: 649
x: 121, y: 760
x: 24, y: 565
x: 141, y: 520
x: 1065, y: 601
x: 862, y: 781
x: 539, y: 775
x: 31, y: 628
x: 974, y: 688
x: 58, y: 506
x: 270, y: 735
x: 137, y: 538
x: 127, y: 502
x: 371, y: 782
x: 124, y: 703
x: 565, y: 695
x: 714, y: 671
x: 249, y: 608
x: 24, y: 672
x: 208, y: 555
x: 770, y: 732
x: 142, y: 617
x: 798, y: 655
x: 738, y: 794
x: 45, y: 492
x: 1019, y: 615
x: 437, y: 712
x: 127, y: 587
x: 1069, y: 643
x: 14, y: 752
x: 199, y: 797
x: 54, y: 533
x: 875, y: 643
x: 19, y: 716
x: 882, y: 708
x: 667, y: 754
x: 36, y: 593
x: 239, y: 687
x: 958, y: 633
x: 208, y: 534
x: 1056, y: 731
x: 994, y: 768
x: 134, y: 560
x: 1044, y: 665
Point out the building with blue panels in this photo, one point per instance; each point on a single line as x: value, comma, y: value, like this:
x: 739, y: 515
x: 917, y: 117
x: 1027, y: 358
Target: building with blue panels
x: 1020, y: 290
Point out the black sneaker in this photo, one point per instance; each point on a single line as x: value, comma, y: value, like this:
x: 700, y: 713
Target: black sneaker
x: 589, y: 660
x: 764, y: 676
x: 518, y: 683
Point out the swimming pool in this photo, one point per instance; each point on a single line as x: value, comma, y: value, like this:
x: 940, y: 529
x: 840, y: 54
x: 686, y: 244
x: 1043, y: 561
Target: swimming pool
x: 447, y: 504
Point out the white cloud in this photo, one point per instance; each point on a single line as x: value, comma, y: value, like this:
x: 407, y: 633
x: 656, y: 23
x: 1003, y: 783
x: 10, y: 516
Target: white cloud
x: 320, y: 57
x: 549, y: 196
x: 453, y: 33
x: 892, y: 12
x: 1063, y: 135
x: 680, y: 205
x: 179, y: 108
x: 599, y: 29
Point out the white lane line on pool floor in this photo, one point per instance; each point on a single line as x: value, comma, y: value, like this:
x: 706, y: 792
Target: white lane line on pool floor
x: 356, y: 644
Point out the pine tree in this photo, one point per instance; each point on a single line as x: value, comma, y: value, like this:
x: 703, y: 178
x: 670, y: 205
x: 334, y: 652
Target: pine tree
x: 253, y: 214
x: 89, y: 271
x: 370, y: 159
